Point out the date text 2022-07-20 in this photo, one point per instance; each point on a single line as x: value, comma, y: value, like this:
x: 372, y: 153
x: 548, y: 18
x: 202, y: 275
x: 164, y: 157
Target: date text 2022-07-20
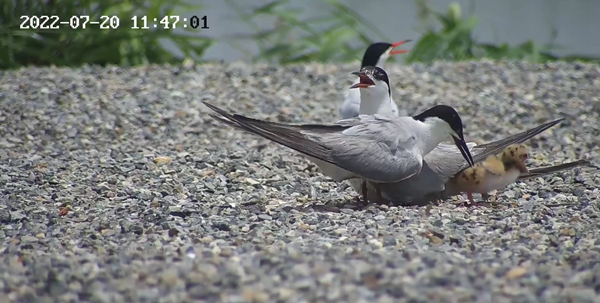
x: 50, y: 22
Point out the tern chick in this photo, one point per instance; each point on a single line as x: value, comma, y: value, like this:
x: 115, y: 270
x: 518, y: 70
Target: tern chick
x: 495, y: 172
x: 498, y: 171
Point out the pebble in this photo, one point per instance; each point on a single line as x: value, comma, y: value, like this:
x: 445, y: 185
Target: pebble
x: 168, y: 205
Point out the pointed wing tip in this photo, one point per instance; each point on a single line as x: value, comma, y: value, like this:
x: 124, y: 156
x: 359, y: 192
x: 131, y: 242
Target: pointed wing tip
x: 557, y: 121
x: 213, y: 107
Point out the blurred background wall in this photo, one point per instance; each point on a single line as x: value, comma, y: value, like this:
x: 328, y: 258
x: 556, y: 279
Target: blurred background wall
x: 297, y: 31
x: 573, y: 26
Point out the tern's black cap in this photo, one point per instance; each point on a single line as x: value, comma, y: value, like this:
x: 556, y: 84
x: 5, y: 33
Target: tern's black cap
x: 374, y: 52
x: 446, y: 113
x: 377, y: 73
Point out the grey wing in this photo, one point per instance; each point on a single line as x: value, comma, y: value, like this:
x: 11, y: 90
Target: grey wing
x: 376, y: 161
x: 292, y: 136
x: 446, y: 160
x: 351, y: 106
x: 366, y: 145
x: 381, y: 150
x: 522, y: 136
x: 538, y: 172
x: 493, y: 148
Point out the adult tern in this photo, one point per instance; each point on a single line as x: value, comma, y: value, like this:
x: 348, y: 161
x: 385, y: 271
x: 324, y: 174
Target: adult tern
x: 375, y: 55
x: 373, y: 148
x: 375, y: 92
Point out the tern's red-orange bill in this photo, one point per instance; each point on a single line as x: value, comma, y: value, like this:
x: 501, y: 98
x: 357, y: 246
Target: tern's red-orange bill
x: 400, y: 51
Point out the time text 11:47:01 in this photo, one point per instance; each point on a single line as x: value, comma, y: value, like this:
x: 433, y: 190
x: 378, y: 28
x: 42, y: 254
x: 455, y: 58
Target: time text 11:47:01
x: 169, y: 22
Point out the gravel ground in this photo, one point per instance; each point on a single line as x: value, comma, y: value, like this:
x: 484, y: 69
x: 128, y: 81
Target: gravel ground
x: 117, y: 187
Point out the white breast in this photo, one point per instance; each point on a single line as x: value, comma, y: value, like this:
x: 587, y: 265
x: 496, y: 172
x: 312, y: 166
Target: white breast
x: 494, y: 182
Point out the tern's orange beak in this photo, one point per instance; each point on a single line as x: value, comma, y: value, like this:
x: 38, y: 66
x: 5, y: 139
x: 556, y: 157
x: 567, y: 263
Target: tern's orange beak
x: 400, y: 51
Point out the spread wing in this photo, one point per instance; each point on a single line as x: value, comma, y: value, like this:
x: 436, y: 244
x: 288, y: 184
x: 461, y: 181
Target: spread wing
x: 538, y: 172
x: 446, y: 160
x: 377, y: 148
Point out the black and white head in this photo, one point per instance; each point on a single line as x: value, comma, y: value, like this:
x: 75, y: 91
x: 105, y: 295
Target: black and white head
x: 377, y: 53
x: 373, y: 81
x: 447, y: 122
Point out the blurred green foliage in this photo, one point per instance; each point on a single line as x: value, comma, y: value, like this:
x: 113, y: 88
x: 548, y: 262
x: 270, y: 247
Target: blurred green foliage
x: 454, y: 41
x: 74, y: 47
x: 292, y: 39
x: 341, y: 36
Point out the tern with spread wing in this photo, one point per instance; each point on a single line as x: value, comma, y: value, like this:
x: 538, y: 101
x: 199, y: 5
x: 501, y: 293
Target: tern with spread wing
x: 375, y: 55
x: 373, y: 148
x: 442, y: 164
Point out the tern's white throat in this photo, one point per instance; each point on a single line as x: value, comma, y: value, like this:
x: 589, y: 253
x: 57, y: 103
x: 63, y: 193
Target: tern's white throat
x: 384, y: 57
x: 375, y: 100
x: 435, y: 131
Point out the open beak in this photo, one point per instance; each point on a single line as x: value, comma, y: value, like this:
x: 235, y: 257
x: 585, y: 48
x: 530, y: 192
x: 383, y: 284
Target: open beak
x: 364, y: 82
x: 400, y: 51
x: 464, y: 150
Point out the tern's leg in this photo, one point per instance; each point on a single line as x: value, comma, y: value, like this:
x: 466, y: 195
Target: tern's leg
x: 364, y: 192
x: 378, y: 190
x: 470, y: 196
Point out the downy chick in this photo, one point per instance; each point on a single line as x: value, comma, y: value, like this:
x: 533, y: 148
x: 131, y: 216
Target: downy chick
x: 496, y: 172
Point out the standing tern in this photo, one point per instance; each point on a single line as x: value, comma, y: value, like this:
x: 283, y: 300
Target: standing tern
x: 375, y: 97
x: 375, y: 92
x: 373, y: 148
x: 375, y: 55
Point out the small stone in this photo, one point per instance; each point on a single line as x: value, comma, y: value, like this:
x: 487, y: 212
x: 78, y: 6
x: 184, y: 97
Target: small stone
x: 515, y: 272
x: 569, y: 231
x: 376, y: 243
x: 28, y: 240
x: 16, y: 216
x: 173, y: 232
x: 5, y: 216
x: 206, y: 173
x: 162, y: 160
x: 251, y: 181
x: 265, y: 217
x: 255, y: 296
